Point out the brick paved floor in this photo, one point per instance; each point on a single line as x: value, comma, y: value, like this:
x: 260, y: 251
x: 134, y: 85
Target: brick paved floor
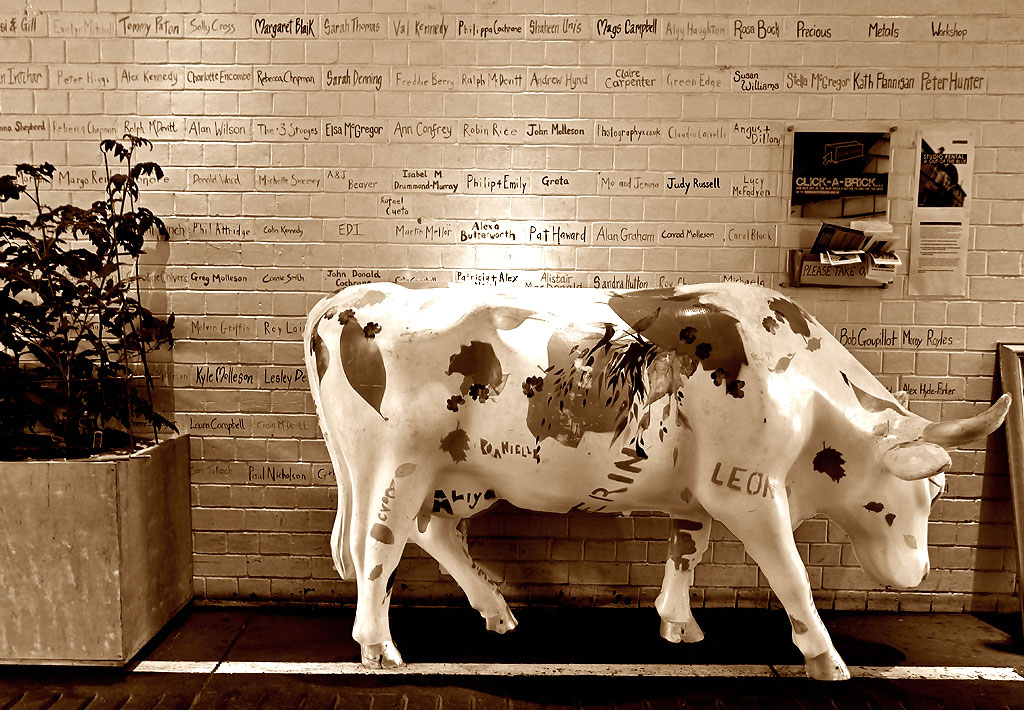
x: 207, y: 638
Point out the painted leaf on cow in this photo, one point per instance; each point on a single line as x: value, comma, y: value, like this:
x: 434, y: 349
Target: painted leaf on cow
x: 647, y: 321
x: 363, y: 363
x: 830, y: 462
x: 783, y: 364
x: 456, y: 443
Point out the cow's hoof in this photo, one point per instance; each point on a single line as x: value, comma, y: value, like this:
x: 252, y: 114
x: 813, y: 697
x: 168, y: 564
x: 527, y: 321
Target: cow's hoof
x: 681, y: 631
x: 827, y: 666
x: 502, y: 622
x: 381, y: 655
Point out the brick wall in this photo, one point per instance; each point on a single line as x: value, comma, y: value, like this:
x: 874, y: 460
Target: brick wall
x: 547, y: 133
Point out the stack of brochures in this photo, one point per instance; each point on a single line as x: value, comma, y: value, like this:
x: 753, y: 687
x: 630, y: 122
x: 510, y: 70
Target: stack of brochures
x: 867, y: 242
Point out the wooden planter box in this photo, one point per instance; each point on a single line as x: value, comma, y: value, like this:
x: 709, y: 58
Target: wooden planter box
x: 95, y: 555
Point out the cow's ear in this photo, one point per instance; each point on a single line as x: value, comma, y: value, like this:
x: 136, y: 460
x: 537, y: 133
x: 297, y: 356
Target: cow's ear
x: 915, y: 460
x: 903, y: 398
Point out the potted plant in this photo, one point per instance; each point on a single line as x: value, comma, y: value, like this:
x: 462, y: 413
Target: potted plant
x: 95, y: 522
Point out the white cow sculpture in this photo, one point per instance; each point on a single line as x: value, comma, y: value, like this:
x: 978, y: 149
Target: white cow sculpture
x: 715, y: 401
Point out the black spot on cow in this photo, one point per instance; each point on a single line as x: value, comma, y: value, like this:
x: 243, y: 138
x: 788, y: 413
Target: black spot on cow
x: 370, y: 298
x: 456, y: 443
x: 478, y: 392
x: 688, y: 335
x: 813, y: 344
x: 382, y: 534
x: 680, y: 545
x: 454, y: 401
x: 792, y: 314
x: 830, y: 462
x: 685, y: 544
x: 890, y: 518
x: 799, y: 627
x: 479, y: 366
x: 532, y: 385
x: 874, y: 507
x: 783, y: 364
x: 391, y: 583
x: 733, y: 387
x: 318, y: 348
x: 376, y: 572
x: 770, y: 324
x: 362, y: 361
x: 371, y: 329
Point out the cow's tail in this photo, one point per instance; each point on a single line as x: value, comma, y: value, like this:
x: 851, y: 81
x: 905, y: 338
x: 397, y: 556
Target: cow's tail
x: 341, y: 537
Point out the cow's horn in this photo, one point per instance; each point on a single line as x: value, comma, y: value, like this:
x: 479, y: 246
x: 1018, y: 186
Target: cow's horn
x: 962, y: 431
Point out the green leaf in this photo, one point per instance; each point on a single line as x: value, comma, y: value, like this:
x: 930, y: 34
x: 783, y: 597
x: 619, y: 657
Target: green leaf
x: 10, y: 188
x: 68, y: 321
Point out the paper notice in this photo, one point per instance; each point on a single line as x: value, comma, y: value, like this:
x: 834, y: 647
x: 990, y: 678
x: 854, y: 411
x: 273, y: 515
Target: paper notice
x: 939, y: 257
x: 938, y: 250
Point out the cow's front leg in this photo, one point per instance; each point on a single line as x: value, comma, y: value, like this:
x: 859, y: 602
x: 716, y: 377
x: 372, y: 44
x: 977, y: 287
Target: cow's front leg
x: 442, y: 538
x: 768, y: 537
x: 687, y: 542
x: 383, y: 518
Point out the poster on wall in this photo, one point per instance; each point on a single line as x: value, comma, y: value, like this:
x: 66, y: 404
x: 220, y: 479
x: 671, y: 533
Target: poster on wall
x: 939, y: 230
x: 840, y: 174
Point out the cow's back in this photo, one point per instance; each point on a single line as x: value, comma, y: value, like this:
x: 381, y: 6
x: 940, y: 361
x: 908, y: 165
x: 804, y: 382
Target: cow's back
x: 577, y: 398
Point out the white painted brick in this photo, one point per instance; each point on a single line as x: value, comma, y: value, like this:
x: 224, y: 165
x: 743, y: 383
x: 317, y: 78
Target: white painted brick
x: 301, y: 132
x: 814, y: 107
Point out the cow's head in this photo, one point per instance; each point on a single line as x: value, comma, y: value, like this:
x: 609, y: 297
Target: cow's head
x: 902, y: 466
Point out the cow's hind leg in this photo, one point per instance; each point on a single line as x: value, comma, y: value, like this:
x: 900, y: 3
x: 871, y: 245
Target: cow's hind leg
x: 384, y: 512
x: 443, y: 539
x: 686, y: 545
